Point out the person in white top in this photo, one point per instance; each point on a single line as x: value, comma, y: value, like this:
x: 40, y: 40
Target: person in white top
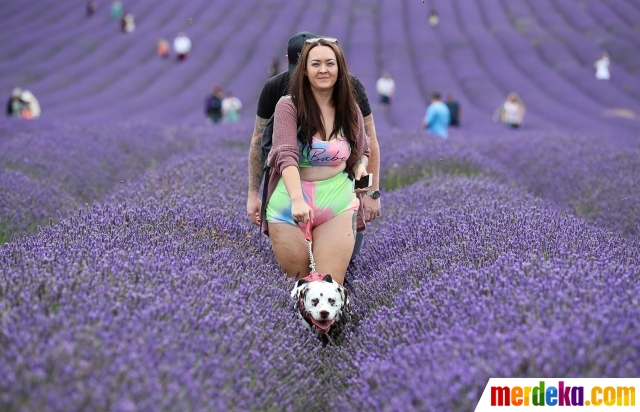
x: 386, y: 87
x: 31, y: 109
x: 602, y: 67
x: 434, y: 19
x: 128, y: 23
x: 231, y: 106
x: 182, y: 46
x: 511, y: 112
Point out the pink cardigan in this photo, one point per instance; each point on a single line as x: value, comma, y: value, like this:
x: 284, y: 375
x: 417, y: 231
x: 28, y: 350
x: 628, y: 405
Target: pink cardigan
x: 284, y: 151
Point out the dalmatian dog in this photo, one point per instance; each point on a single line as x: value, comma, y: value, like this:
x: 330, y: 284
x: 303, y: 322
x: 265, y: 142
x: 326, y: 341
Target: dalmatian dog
x: 320, y: 302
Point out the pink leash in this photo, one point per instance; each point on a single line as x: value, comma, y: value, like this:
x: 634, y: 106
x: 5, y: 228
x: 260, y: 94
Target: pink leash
x: 313, y: 275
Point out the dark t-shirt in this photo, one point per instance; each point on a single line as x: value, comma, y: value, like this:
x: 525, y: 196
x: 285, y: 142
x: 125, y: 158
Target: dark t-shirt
x: 453, y: 110
x: 213, y: 105
x: 278, y: 86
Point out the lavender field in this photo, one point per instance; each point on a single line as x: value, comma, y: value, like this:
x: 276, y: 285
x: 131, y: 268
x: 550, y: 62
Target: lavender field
x: 132, y: 280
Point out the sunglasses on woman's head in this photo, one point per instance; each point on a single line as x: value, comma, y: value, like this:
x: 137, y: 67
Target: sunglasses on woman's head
x: 329, y: 39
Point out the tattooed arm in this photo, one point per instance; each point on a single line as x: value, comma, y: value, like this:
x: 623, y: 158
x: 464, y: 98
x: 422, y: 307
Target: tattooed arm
x: 372, y: 208
x: 255, y: 172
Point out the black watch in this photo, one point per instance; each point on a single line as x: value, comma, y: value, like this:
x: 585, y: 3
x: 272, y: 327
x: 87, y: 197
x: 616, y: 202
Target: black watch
x: 374, y: 194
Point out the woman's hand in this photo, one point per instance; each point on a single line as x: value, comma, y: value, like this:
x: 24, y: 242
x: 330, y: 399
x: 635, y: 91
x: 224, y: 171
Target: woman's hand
x: 359, y: 169
x: 301, y: 211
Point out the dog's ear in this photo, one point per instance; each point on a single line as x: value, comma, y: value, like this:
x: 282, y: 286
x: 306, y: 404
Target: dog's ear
x: 328, y: 278
x: 301, y: 282
x: 345, y: 295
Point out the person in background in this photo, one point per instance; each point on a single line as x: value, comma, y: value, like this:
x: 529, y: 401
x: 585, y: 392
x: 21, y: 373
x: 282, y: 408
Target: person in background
x: 437, y: 118
x: 116, y: 10
x: 92, y: 6
x: 213, y: 105
x: 163, y: 48
x: 31, y: 108
x: 231, y: 106
x: 182, y: 46
x: 277, y: 87
x: 319, y: 146
x: 602, y: 67
x: 386, y: 87
x: 15, y: 103
x: 511, y: 111
x: 128, y: 23
x: 454, y: 110
x: 434, y: 19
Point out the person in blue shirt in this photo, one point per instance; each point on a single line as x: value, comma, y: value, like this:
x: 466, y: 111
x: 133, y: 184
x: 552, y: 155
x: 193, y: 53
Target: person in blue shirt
x: 437, y: 117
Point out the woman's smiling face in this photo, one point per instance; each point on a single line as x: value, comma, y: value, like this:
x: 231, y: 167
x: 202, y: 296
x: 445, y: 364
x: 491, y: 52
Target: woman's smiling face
x: 322, y: 68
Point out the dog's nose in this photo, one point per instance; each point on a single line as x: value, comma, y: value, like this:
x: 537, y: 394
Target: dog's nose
x: 324, y: 314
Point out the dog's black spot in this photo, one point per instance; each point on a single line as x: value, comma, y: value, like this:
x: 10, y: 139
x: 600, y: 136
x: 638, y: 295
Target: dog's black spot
x: 302, y: 282
x: 328, y: 278
x: 315, y: 302
x: 332, y: 301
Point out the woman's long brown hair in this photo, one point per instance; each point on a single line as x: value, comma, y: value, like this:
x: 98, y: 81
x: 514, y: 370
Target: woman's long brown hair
x: 343, y: 100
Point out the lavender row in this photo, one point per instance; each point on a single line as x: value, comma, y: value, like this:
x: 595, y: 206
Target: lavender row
x: 25, y: 203
x: 165, y: 298
x: 482, y: 280
x: 47, y: 171
x: 151, y: 304
x: 438, y: 344
x: 586, y: 175
x: 83, y: 163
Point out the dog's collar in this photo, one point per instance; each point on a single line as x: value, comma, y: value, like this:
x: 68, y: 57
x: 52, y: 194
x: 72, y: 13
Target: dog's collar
x: 314, y: 276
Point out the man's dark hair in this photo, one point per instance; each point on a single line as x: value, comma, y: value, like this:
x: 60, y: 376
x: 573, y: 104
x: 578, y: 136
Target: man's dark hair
x: 294, y: 48
x: 436, y: 96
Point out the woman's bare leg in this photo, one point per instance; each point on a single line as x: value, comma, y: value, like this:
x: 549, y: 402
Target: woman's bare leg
x: 333, y: 245
x: 290, y: 248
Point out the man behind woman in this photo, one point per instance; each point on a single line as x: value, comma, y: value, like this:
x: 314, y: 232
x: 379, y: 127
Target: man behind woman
x: 311, y: 170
